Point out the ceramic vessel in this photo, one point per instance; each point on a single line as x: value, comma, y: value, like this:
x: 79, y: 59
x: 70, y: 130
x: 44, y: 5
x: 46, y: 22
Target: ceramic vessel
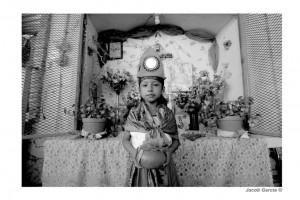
x: 230, y: 123
x: 94, y: 125
x: 153, y: 159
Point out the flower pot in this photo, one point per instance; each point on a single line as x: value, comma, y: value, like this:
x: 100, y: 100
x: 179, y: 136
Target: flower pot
x: 230, y: 123
x: 152, y: 159
x: 94, y: 125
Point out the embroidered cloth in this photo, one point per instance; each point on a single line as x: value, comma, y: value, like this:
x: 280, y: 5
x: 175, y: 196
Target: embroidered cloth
x: 204, y: 162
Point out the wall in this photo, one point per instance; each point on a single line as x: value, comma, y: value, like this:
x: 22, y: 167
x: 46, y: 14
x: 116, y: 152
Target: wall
x: 189, y: 58
x: 231, y: 59
x: 91, y: 64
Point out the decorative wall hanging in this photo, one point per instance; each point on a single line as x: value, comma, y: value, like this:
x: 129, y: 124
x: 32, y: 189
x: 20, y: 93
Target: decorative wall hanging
x: 227, y: 44
x: 140, y: 32
x: 115, y: 50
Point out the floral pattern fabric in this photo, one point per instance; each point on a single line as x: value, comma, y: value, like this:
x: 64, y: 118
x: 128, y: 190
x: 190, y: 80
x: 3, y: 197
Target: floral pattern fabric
x: 81, y: 162
x: 216, y: 161
x: 204, y: 162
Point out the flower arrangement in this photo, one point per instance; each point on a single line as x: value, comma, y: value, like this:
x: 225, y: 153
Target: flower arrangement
x: 94, y: 107
x: 193, y: 104
x: 241, y: 107
x: 203, y: 91
x: 116, y: 80
x: 207, y: 88
x: 181, y: 99
x: 132, y: 98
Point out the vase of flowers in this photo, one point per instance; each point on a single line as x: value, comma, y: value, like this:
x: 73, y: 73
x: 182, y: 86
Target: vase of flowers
x: 116, y: 80
x: 199, y: 97
x: 189, y: 102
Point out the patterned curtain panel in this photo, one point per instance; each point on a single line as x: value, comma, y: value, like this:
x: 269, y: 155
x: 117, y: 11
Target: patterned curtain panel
x: 142, y: 32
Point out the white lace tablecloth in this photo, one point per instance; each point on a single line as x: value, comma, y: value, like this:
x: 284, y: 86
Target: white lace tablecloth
x: 203, y: 162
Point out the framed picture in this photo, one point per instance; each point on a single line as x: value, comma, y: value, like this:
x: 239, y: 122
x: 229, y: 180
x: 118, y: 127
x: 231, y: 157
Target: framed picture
x: 115, y: 50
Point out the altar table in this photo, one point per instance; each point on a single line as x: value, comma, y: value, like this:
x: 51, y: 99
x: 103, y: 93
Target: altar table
x: 208, y: 162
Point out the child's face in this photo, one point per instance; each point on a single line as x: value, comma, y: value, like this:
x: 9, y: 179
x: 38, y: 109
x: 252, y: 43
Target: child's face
x: 150, y: 90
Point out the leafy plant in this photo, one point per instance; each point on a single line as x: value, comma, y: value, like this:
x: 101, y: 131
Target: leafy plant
x: 202, y: 92
x: 241, y: 107
x: 94, y: 107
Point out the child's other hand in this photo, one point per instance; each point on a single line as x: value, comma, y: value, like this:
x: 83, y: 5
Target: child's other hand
x: 168, y: 154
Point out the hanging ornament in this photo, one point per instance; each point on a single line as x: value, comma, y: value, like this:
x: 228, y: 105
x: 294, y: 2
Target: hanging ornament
x: 227, y: 44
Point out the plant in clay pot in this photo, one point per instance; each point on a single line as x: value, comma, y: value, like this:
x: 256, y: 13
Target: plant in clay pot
x: 95, y: 113
x: 239, y: 109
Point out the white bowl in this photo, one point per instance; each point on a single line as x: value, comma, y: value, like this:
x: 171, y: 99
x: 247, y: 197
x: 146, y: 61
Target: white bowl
x: 222, y: 133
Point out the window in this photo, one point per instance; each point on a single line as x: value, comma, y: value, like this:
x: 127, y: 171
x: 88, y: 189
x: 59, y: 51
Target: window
x: 261, y: 45
x: 51, y: 49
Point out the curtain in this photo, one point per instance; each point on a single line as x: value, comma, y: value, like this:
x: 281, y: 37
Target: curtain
x: 141, y: 32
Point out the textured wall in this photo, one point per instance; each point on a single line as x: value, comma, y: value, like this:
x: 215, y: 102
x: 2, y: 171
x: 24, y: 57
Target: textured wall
x: 230, y: 59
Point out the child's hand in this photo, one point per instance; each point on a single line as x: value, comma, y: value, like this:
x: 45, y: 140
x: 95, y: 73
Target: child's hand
x: 168, y: 154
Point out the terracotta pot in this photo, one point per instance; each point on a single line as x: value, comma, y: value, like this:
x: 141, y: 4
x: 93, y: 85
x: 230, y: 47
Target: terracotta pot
x: 94, y: 125
x: 153, y: 159
x: 230, y: 123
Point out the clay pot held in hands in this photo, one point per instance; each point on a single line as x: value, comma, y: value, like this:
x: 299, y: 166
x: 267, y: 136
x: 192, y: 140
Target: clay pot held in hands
x: 153, y: 159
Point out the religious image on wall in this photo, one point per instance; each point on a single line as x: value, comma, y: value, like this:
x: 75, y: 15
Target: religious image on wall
x: 181, y: 77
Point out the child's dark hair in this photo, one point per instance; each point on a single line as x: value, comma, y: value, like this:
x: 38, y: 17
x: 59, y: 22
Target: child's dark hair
x: 161, y: 99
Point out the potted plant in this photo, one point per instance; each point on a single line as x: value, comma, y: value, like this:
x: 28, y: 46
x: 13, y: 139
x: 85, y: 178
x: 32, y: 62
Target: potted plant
x: 232, y: 115
x: 94, y: 113
x: 200, y: 96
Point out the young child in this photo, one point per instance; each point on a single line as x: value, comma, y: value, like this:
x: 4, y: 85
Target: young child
x: 151, y: 134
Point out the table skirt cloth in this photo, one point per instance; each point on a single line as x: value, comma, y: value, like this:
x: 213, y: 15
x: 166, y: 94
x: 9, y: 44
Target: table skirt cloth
x: 225, y: 162
x: 204, y: 162
x: 82, y: 162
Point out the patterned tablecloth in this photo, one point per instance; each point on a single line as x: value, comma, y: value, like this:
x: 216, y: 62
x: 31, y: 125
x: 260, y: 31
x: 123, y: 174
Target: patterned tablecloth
x: 203, y: 162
